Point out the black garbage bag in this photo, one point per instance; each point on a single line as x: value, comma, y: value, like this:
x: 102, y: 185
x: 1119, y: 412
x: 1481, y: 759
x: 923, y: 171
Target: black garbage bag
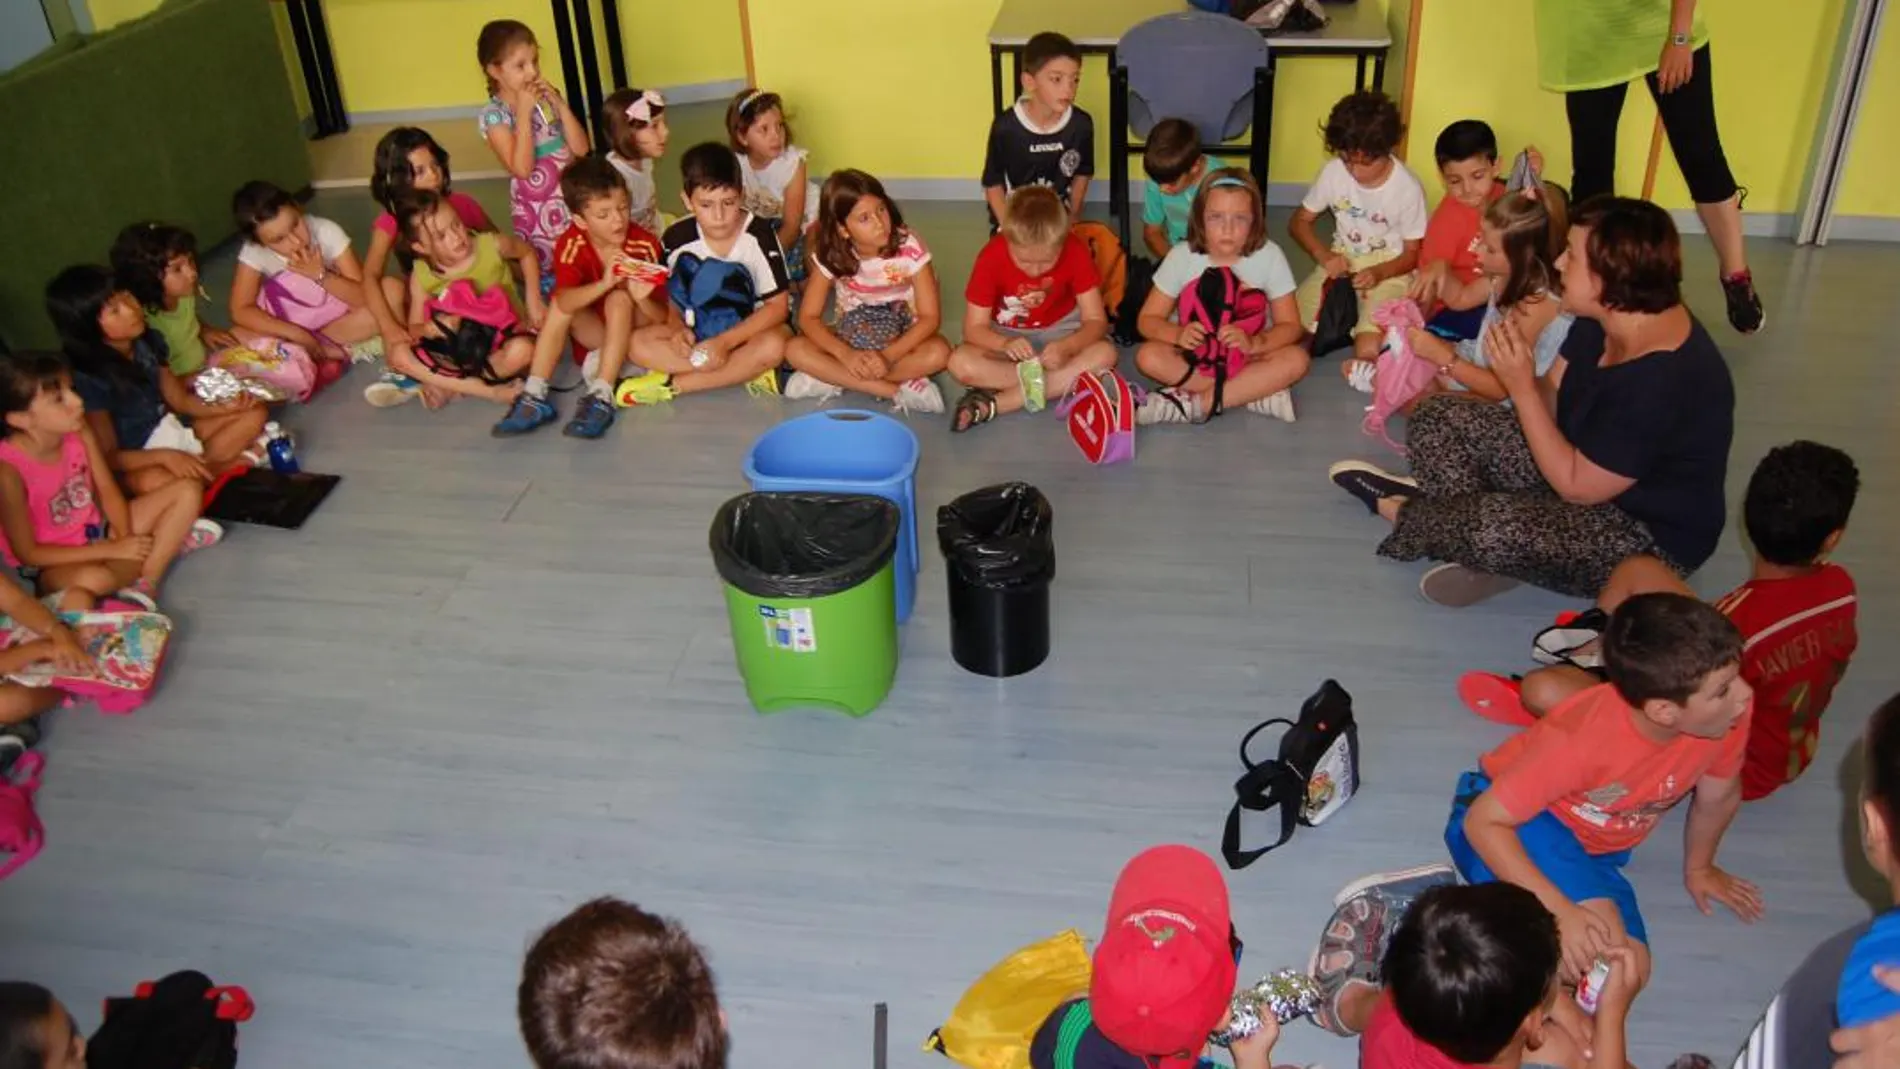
x: 1338, y: 314
x: 800, y: 545
x: 1000, y: 537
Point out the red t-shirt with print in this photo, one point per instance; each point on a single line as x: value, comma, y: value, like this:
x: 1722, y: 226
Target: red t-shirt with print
x: 1455, y: 234
x: 1798, y: 634
x: 1588, y: 765
x: 576, y: 263
x: 1023, y: 302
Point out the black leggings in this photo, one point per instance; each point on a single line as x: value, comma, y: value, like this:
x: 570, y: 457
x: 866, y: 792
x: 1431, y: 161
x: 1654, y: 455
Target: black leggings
x: 1688, y: 117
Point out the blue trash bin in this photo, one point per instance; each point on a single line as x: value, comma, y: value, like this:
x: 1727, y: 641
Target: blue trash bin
x: 847, y: 451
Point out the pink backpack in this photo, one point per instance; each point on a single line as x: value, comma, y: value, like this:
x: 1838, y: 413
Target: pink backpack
x: 21, y: 833
x: 1101, y: 411
x: 1219, y: 299
x: 283, y: 366
x: 1401, y: 374
x: 127, y: 649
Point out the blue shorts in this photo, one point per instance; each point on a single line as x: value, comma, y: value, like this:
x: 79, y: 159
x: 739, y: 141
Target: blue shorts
x: 1861, y: 999
x: 1554, y: 849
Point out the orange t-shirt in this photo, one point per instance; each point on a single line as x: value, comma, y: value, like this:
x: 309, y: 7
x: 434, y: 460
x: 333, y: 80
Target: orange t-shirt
x: 1588, y: 765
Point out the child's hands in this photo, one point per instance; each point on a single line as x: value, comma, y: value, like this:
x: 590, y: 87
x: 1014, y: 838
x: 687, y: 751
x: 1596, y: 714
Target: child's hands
x: 537, y: 310
x: 866, y: 363
x: 1537, y: 160
x: 132, y: 547
x: 1055, y: 354
x: 1336, y: 266
x: 1019, y: 349
x: 1621, y: 985
x: 1712, y: 884
x: 306, y: 260
x: 1875, y: 1045
x: 1189, y: 336
x: 1254, y: 1051
x: 216, y: 339
x: 67, y: 654
x: 1433, y: 348
x: 1428, y: 286
x: 640, y: 289
x: 1234, y: 336
x: 717, y: 349
x: 1364, y: 280
x: 182, y: 465
x: 1675, y: 68
x: 1585, y: 936
x: 504, y: 392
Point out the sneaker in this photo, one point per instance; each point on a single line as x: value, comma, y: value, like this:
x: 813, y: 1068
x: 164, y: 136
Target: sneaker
x: 1574, y: 639
x: 1370, y: 483
x: 918, y: 395
x: 591, y: 419
x: 26, y: 734
x: 1398, y: 888
x: 652, y: 388
x: 140, y: 593
x: 1278, y: 405
x: 1030, y: 377
x: 12, y: 748
x: 765, y: 384
x: 203, y: 535
x: 1168, y: 406
x: 1744, y: 304
x: 366, y: 351
x: 1359, y: 374
x: 1456, y: 586
x: 527, y: 413
x: 803, y: 387
x: 392, y: 390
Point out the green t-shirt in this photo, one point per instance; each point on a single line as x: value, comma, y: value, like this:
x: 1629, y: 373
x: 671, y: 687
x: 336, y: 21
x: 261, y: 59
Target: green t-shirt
x: 487, y: 269
x: 179, y: 328
x: 1590, y: 44
x: 1171, y: 210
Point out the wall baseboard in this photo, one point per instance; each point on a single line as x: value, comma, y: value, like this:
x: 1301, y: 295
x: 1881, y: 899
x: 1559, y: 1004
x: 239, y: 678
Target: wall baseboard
x: 1279, y: 194
x: 1864, y: 228
x: 1754, y: 224
x: 692, y: 93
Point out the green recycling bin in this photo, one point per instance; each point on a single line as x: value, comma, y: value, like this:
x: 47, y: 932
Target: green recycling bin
x: 811, y: 597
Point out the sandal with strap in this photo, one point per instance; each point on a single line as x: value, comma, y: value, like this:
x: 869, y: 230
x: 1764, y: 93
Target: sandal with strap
x: 1495, y: 698
x: 976, y: 406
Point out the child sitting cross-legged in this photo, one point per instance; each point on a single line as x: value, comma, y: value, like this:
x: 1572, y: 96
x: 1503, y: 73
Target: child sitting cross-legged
x: 1378, y: 209
x: 1465, y: 976
x: 1796, y: 615
x: 1253, y: 365
x: 1558, y: 808
x: 1162, y: 977
x: 729, y: 288
x: 63, y: 514
x: 1175, y: 165
x: 456, y: 274
x: 611, y: 986
x: 885, y: 341
x: 1034, y: 320
x: 606, y: 285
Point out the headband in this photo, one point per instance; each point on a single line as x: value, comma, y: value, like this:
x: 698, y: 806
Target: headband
x: 645, y: 105
x: 1226, y: 181
x: 750, y: 99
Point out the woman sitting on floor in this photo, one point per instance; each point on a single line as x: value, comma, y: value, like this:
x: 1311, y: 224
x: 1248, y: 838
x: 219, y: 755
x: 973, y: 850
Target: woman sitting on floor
x: 1620, y: 448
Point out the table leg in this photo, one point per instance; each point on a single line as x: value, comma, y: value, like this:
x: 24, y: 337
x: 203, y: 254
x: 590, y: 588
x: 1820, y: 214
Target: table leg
x: 1378, y: 71
x: 564, y: 45
x: 1359, y: 75
x: 1262, y: 139
x: 326, y: 65
x: 1118, y: 151
x: 996, y: 80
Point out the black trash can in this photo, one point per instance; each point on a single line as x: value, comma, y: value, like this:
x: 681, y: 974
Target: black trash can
x: 999, y: 546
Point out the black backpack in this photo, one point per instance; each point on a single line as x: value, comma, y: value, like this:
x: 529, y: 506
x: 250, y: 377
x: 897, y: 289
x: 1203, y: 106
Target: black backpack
x: 181, y: 1022
x: 1314, y: 775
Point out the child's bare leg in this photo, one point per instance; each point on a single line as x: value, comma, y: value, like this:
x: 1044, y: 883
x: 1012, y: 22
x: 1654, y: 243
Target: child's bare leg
x: 757, y: 356
x: 661, y: 347
x: 18, y: 703
x: 515, y: 357
x: 82, y: 585
x: 1606, y: 910
x: 146, y: 480
x: 1356, y: 1003
x: 1546, y: 688
x: 1266, y: 376
x: 226, y: 437
x: 167, y: 516
x: 979, y: 368
x: 1365, y: 345
x: 806, y: 356
x: 1057, y: 381
x: 922, y: 362
x: 1164, y: 364
x: 616, y: 316
x: 1640, y: 575
x: 356, y: 326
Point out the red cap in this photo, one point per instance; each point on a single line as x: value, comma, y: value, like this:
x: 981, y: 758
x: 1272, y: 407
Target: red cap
x: 1164, y: 970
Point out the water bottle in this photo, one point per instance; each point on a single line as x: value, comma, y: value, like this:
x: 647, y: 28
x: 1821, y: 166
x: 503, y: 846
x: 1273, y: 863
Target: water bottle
x: 283, y: 455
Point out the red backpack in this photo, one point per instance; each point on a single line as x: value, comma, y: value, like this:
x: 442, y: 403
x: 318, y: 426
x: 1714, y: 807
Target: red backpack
x: 1101, y: 411
x: 1219, y: 299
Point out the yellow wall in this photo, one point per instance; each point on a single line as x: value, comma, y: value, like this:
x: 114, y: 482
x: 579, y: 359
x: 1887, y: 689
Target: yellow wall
x: 109, y: 13
x: 932, y: 121
x: 1868, y: 187
x: 1771, y: 64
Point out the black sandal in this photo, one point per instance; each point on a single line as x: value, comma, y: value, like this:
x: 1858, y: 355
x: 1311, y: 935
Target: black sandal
x: 976, y: 406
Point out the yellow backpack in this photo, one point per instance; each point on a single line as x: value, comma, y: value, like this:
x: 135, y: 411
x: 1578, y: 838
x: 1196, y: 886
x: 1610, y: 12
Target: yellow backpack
x: 997, y: 1018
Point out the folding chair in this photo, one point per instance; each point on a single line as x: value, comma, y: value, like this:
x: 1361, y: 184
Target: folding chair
x: 1215, y: 71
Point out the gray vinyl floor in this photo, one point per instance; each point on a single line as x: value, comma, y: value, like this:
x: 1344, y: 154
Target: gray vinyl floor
x: 490, y: 680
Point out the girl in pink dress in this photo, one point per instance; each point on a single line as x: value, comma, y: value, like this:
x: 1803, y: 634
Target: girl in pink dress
x: 533, y: 133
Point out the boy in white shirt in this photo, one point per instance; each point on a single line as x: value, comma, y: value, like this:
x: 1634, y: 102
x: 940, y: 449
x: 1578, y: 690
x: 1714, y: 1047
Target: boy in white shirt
x: 1378, y: 209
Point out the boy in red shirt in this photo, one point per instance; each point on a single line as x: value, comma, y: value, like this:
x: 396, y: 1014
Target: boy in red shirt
x: 1795, y: 613
x: 1035, y: 321
x: 607, y: 282
x: 1450, y: 285
x: 1558, y: 808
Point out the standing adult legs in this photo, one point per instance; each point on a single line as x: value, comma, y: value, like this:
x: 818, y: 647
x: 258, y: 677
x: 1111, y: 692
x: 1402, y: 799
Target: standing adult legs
x: 1594, y: 114
x: 1688, y: 117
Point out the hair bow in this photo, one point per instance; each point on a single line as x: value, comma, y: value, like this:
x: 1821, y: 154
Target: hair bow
x: 644, y: 107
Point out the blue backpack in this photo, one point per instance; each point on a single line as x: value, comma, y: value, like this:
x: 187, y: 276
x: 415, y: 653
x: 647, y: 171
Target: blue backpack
x: 713, y: 295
